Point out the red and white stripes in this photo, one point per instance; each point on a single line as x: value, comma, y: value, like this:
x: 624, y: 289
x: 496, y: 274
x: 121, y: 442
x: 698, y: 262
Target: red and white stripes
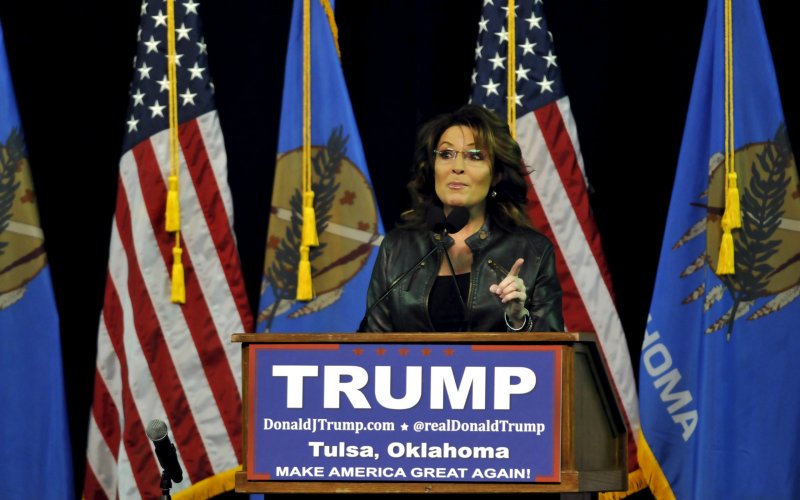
x: 161, y: 360
x: 560, y: 208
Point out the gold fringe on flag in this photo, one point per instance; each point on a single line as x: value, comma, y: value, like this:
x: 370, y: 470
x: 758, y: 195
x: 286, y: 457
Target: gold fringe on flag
x: 651, y: 470
x: 636, y: 483
x: 731, y: 218
x: 332, y: 22
x: 210, y: 486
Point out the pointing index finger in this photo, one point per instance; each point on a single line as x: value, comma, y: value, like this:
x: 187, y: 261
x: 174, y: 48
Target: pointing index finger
x: 516, y: 267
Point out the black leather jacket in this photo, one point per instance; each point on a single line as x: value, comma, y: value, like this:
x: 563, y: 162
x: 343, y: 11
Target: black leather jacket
x: 494, y: 250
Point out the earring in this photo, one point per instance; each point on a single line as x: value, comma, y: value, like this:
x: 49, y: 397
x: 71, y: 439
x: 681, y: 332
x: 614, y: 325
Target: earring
x: 493, y: 194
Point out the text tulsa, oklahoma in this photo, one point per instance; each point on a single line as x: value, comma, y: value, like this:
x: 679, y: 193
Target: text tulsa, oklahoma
x: 407, y: 450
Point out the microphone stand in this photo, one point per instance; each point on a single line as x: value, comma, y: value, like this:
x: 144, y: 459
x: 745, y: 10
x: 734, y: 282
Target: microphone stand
x: 166, y: 484
x: 455, y: 282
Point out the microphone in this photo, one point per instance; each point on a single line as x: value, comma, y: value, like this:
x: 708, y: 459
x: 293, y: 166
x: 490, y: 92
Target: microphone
x: 438, y: 223
x: 452, y: 223
x: 165, y: 450
x: 456, y: 220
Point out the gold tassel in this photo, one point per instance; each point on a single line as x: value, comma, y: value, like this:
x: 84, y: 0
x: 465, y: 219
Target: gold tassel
x: 309, y: 234
x: 173, y: 214
x: 726, y: 264
x: 304, y: 289
x: 178, y: 286
x: 732, y: 216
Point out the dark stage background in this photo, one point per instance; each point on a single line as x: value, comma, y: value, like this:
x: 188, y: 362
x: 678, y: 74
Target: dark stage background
x: 627, y: 66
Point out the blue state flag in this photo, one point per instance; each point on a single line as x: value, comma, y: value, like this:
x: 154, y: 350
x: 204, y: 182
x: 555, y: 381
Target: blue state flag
x: 718, y: 401
x: 35, y: 454
x: 348, y: 224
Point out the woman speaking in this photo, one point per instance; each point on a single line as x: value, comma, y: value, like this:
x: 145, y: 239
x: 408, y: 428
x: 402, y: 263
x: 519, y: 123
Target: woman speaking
x: 465, y: 257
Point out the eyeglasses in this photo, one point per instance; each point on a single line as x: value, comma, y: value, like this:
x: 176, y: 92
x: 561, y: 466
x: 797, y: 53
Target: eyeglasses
x: 447, y: 155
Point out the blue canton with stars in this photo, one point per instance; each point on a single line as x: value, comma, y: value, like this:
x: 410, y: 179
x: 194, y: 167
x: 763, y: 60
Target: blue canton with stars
x: 537, y: 74
x: 148, y: 111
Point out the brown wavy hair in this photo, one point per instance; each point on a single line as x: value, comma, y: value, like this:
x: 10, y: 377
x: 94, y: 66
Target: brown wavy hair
x: 507, y: 207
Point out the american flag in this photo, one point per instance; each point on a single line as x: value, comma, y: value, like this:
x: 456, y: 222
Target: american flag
x: 157, y: 359
x: 559, y: 202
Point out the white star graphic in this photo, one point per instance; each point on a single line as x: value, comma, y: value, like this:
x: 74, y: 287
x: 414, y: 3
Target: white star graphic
x: 160, y: 19
x: 132, y: 124
x: 152, y: 44
x: 502, y: 34
x: 482, y: 25
x: 144, y: 9
x: 497, y: 61
x: 188, y: 97
x: 404, y: 426
x: 196, y: 71
x: 527, y: 47
x: 478, y: 50
x: 550, y: 58
x: 163, y: 84
x: 506, y: 9
x: 491, y: 88
x: 522, y: 73
x: 156, y: 110
x: 138, y: 98
x: 201, y: 46
x: 533, y: 21
x: 191, y: 7
x: 545, y: 85
x: 144, y: 71
x: 183, y: 32
x: 177, y: 59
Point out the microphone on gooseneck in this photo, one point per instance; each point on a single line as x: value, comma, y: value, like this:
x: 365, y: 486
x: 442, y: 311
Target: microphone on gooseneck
x: 165, y: 450
x: 456, y: 220
x: 436, y: 221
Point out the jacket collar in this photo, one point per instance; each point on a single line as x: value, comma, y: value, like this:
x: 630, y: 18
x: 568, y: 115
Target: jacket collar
x: 475, y: 241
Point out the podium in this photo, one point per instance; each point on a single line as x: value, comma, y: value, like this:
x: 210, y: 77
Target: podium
x: 589, y: 435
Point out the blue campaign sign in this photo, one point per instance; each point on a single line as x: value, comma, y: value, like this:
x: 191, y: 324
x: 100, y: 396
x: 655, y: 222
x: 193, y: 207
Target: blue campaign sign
x: 404, y: 412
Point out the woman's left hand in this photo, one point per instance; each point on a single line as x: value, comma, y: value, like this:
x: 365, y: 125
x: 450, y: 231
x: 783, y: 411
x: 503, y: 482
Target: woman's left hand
x: 511, y: 292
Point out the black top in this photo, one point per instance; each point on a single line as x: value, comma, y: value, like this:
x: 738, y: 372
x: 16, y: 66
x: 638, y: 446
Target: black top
x: 446, y: 311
